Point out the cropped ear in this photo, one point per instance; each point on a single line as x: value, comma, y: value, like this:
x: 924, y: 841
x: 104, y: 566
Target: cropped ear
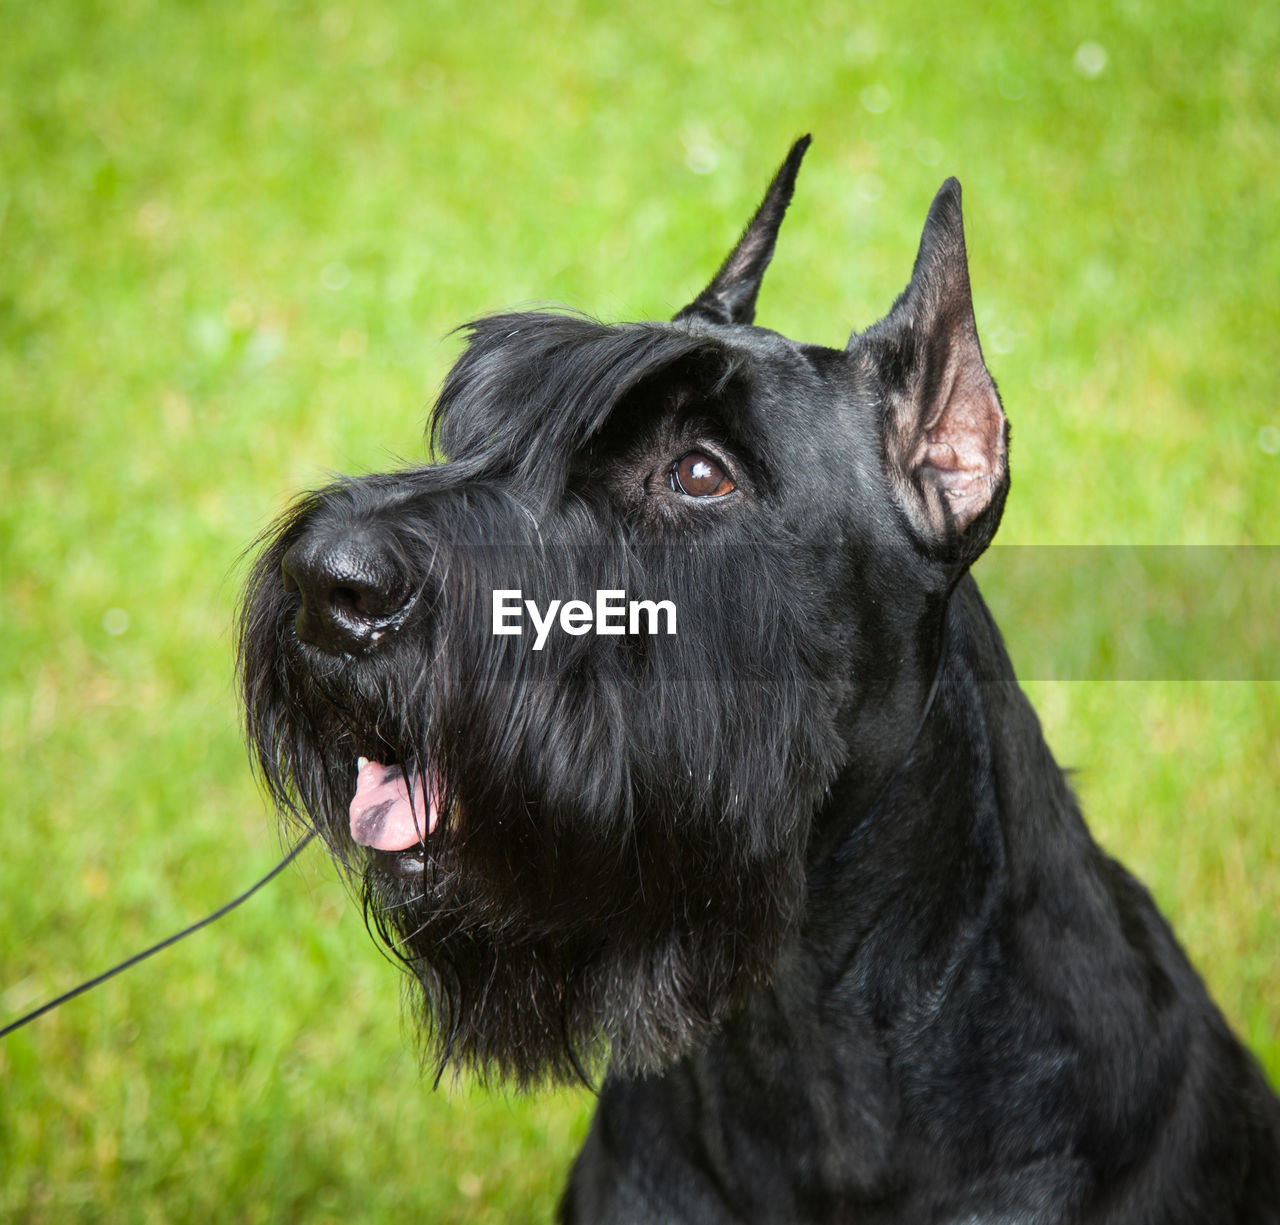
x: 945, y: 433
x: 731, y: 296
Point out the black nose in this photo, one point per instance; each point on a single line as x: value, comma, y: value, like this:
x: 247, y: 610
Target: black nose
x: 354, y: 590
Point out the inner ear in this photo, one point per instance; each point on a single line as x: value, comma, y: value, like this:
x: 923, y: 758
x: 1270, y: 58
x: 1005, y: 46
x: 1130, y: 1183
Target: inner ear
x: 960, y: 449
x: 945, y: 433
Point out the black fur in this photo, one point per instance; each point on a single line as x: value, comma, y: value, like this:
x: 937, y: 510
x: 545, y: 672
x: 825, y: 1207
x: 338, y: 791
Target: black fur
x: 804, y: 872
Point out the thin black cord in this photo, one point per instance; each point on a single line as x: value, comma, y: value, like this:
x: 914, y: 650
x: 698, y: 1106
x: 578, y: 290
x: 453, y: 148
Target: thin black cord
x: 164, y: 944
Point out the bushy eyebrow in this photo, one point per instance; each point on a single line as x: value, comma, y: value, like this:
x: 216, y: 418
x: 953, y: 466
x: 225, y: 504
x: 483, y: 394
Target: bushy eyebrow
x: 531, y: 389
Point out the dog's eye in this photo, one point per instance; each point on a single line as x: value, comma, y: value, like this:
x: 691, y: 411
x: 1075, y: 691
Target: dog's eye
x: 699, y: 476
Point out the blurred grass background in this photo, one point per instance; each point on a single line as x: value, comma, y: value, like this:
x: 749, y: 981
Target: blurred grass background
x: 233, y: 239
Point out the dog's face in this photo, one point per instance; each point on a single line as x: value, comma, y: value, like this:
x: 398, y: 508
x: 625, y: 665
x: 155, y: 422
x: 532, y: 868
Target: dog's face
x: 596, y: 828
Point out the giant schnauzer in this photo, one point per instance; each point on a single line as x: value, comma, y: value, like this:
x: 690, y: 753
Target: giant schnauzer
x: 663, y: 723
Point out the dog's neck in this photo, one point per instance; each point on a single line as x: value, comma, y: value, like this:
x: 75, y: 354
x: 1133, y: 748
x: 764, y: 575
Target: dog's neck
x: 900, y: 908
x: 903, y: 903
x: 918, y: 847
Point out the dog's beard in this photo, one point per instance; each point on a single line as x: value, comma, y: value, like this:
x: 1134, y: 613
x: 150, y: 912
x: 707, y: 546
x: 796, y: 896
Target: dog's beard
x: 536, y: 958
x: 593, y: 894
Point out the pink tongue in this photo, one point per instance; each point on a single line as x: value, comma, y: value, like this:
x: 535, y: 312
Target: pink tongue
x: 382, y: 815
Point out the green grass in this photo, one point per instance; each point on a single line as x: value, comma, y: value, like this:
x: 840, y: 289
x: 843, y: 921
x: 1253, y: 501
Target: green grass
x: 233, y: 239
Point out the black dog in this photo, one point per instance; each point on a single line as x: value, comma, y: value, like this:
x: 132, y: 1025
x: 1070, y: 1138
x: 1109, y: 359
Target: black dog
x: 684, y: 735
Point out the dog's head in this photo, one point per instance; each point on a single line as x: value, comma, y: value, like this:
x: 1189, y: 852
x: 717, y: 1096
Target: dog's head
x: 568, y: 704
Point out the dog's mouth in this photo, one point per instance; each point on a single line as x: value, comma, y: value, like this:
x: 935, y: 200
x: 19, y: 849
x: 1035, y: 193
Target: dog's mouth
x: 393, y: 813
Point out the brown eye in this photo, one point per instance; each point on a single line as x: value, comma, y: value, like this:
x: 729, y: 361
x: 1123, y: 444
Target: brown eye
x: 700, y: 476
